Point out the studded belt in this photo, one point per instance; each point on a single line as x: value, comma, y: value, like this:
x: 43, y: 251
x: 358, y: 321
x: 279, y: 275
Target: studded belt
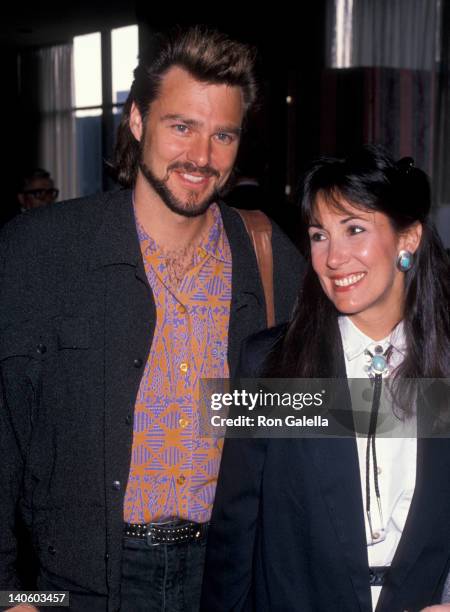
x: 377, y: 575
x: 173, y: 532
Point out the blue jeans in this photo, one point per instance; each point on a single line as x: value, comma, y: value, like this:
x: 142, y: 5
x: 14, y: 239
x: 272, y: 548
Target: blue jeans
x: 162, y: 578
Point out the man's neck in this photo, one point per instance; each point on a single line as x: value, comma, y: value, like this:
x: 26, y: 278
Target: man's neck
x: 169, y: 230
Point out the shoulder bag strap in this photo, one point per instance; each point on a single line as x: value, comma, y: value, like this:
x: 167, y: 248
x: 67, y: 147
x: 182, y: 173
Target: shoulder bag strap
x: 259, y: 228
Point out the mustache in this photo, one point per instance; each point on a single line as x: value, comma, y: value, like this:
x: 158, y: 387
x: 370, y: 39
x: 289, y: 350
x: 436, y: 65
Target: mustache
x: 190, y: 167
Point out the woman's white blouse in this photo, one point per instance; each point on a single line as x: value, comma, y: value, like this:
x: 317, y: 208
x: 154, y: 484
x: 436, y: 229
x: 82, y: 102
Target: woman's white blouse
x: 396, y: 456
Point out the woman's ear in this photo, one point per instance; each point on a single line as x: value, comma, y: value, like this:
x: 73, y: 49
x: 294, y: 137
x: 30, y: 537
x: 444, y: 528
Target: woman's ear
x: 410, y: 239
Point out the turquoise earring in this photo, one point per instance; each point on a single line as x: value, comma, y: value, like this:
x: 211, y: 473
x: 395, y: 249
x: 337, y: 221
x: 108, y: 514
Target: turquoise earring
x: 405, y: 261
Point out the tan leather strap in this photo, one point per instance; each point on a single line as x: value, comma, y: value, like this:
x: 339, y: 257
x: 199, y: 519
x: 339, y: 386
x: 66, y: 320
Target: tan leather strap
x: 259, y: 228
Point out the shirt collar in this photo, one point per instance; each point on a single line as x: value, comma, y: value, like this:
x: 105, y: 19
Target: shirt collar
x: 355, y: 342
x: 214, y: 243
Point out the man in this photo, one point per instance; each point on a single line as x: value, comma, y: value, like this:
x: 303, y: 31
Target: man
x: 111, y: 309
x: 36, y: 189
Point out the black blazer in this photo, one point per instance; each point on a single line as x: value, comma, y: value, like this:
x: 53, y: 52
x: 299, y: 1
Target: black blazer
x: 76, y: 324
x: 287, y: 532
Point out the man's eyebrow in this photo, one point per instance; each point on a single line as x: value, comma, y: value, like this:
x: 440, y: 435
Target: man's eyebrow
x: 176, y: 117
x: 232, y: 129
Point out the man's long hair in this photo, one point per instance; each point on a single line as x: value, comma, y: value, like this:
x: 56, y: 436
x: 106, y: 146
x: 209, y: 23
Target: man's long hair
x: 209, y: 56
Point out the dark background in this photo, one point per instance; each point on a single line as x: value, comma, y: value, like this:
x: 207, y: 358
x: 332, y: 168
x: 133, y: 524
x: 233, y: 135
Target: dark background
x: 280, y: 138
x: 327, y: 113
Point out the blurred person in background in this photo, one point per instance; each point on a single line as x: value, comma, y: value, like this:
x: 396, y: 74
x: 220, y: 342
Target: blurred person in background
x: 36, y: 189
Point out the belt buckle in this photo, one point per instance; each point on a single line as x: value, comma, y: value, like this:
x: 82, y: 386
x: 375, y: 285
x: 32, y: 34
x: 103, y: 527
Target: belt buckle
x: 150, y: 533
x: 149, y: 540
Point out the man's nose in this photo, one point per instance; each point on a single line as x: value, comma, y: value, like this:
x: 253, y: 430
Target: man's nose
x: 200, y: 150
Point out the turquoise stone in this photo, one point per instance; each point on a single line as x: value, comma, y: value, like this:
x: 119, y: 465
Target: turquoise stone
x: 405, y: 261
x: 378, y: 364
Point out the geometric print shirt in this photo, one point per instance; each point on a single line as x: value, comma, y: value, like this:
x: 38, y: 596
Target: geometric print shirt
x: 174, y: 468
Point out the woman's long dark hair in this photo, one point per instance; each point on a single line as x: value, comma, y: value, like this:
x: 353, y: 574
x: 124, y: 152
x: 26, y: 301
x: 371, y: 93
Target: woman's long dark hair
x: 372, y: 181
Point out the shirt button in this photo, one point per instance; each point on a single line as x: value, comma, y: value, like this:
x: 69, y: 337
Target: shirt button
x: 183, y: 423
x: 379, y: 470
x: 51, y: 550
x: 128, y: 419
x: 376, y: 535
x: 181, y: 309
x: 184, y: 367
x: 41, y: 349
x: 116, y: 485
x: 137, y: 362
x: 181, y: 479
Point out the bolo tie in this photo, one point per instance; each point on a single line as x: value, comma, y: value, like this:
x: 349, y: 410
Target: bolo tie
x: 378, y: 366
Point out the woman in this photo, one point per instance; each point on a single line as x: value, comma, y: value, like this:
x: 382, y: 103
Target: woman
x: 348, y: 524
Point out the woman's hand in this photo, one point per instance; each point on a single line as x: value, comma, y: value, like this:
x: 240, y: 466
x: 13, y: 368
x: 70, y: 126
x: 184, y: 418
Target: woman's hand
x: 439, y: 608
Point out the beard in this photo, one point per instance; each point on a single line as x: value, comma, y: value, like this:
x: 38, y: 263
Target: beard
x: 192, y: 206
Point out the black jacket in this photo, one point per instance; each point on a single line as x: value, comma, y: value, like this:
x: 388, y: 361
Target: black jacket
x: 76, y: 321
x: 287, y: 531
